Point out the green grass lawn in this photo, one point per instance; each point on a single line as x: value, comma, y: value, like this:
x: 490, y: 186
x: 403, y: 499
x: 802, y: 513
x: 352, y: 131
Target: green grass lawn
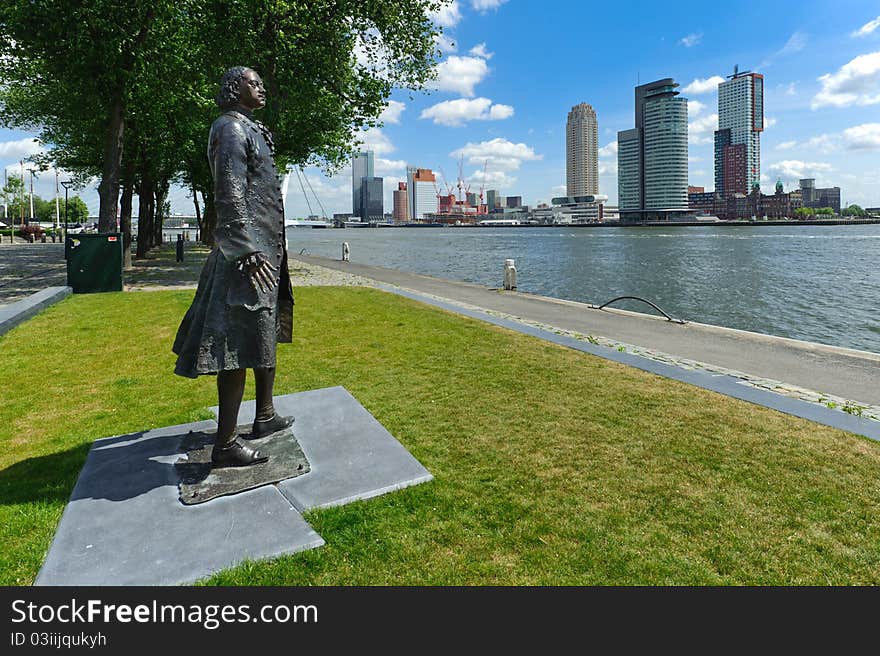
x: 551, y: 466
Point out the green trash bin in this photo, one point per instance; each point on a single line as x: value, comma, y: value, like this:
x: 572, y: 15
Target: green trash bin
x: 94, y: 262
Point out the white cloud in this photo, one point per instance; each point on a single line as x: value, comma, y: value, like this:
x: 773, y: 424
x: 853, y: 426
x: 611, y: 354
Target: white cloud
x: 448, y: 15
x: 792, y: 170
x: 485, y: 5
x: 500, y: 153
x: 695, y: 107
x: 769, y: 122
x: 867, y: 28
x: 786, y: 145
x: 608, y: 150
x: 479, y: 50
x: 461, y: 74
x: 377, y: 141
x: 444, y: 43
x: 701, y: 130
x: 391, y: 113
x: 824, y: 143
x: 865, y: 136
x: 856, y: 83
x: 492, y: 179
x: 455, y: 113
x: 20, y: 148
x: 608, y: 167
x: 796, y: 42
x: 390, y: 167
x: 790, y: 90
x: 559, y: 190
x: 691, y: 39
x: 699, y: 86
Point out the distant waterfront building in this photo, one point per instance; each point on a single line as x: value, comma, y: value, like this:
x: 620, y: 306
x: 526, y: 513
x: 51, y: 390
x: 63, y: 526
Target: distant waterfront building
x: 816, y: 197
x: 514, y: 202
x: 372, y: 199
x: 582, y: 151
x: 738, y: 138
x: 421, y: 185
x: 491, y: 198
x: 361, y: 167
x: 579, y: 209
x: 652, y: 158
x: 401, y: 204
x: 695, y: 190
x: 472, y: 198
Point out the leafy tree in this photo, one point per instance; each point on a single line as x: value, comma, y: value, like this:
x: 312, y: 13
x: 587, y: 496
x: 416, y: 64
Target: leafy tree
x: 127, y: 92
x: 854, y: 210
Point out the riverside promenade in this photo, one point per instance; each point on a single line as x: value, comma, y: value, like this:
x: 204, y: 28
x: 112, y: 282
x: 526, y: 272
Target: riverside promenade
x: 812, y: 372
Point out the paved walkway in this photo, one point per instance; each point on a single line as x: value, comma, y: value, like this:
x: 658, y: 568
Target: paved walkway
x: 823, y: 374
x: 28, y: 268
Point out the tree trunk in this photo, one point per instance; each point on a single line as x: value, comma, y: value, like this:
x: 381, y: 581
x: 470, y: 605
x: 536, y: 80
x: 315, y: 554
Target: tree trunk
x: 159, y: 216
x: 108, y: 190
x: 146, y: 200
x: 198, y: 211
x: 209, y: 219
x: 125, y: 214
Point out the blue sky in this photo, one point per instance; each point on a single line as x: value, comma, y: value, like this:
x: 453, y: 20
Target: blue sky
x: 512, y: 69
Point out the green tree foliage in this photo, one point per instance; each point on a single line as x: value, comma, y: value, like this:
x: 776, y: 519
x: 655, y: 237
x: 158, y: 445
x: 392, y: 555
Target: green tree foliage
x: 93, y: 75
x: 854, y: 210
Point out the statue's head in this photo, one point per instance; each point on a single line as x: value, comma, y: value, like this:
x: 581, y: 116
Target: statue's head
x: 241, y: 85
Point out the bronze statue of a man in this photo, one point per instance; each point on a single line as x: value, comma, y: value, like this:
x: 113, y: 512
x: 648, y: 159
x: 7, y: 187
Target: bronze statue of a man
x: 244, y: 302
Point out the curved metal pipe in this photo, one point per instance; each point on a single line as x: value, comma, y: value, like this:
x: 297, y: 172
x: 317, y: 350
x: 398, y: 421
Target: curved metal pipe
x: 637, y: 298
x: 302, y: 251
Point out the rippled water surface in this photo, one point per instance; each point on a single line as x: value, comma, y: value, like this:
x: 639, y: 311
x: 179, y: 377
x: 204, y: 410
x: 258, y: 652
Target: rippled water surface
x: 816, y: 283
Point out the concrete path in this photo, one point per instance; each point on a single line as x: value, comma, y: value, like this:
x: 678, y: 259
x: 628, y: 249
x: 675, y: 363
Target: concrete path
x: 839, y: 372
x: 28, y: 268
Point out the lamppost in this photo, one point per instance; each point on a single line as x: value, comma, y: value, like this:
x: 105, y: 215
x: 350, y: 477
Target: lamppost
x: 66, y: 184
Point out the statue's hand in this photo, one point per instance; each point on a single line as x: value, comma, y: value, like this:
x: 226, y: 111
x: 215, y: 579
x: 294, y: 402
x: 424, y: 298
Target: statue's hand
x: 259, y: 271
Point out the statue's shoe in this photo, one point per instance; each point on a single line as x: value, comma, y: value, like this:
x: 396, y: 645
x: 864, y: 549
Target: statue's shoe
x: 236, y: 454
x: 264, y: 427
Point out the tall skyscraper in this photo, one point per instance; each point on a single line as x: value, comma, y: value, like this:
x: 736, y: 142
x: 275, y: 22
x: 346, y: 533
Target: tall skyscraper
x: 652, y: 158
x: 361, y: 167
x: 582, y: 151
x: 372, y: 199
x: 738, y: 138
x: 422, y: 190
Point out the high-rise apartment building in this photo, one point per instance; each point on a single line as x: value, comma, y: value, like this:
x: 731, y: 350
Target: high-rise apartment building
x: 491, y: 199
x: 421, y: 187
x: 401, y: 204
x: 652, y: 158
x: 738, y: 138
x: 582, y: 151
x: 361, y: 167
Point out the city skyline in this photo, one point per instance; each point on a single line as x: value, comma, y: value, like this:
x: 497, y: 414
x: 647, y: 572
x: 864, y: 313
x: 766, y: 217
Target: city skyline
x: 506, y: 82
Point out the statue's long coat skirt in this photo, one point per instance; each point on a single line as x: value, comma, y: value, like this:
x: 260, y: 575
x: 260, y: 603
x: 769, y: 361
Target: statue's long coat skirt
x: 232, y: 325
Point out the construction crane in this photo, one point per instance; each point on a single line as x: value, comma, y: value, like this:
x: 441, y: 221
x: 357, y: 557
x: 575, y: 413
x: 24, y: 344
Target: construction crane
x: 481, y: 206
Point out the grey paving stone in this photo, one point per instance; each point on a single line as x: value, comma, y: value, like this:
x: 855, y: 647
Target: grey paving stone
x: 124, y: 524
x: 352, y: 455
x: 15, y: 313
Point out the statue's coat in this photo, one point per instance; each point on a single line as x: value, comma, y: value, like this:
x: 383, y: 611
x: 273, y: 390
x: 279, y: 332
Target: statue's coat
x: 231, y: 324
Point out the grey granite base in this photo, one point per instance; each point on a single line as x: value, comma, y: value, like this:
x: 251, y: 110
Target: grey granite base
x: 352, y: 455
x: 15, y: 313
x: 124, y: 524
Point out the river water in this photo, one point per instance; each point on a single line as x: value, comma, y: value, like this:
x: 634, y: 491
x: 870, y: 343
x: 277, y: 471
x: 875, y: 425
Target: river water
x: 816, y: 283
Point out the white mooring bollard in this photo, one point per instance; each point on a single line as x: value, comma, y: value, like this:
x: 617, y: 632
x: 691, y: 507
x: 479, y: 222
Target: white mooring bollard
x: 346, y: 251
x: 509, y: 275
